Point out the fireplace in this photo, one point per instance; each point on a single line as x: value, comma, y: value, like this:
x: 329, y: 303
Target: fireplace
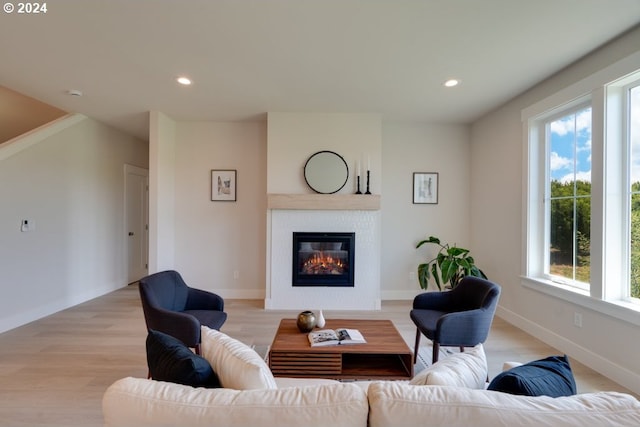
x: 323, y: 259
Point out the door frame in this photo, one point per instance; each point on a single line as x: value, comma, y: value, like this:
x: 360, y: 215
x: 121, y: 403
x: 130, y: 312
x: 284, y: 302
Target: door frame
x: 135, y: 170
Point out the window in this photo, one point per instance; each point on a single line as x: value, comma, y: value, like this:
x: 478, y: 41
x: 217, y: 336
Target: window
x: 583, y: 193
x: 568, y: 197
x: 633, y: 118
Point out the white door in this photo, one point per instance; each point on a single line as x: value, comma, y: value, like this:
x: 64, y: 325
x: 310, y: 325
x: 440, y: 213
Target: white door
x: 136, y: 221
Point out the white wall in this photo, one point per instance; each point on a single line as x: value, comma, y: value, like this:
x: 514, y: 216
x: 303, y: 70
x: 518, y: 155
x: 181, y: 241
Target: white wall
x: 71, y: 187
x: 214, y: 240
x: 408, y: 148
x: 605, y: 344
x: 162, y: 192
x: 294, y: 137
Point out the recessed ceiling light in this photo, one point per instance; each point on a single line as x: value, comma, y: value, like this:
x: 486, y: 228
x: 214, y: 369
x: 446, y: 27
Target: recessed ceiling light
x: 452, y: 83
x: 74, y: 92
x: 184, y: 81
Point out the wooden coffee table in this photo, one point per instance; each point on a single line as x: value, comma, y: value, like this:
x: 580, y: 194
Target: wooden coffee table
x: 384, y: 356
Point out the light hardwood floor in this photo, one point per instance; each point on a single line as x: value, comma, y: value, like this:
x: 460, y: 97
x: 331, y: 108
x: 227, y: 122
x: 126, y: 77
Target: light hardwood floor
x: 54, y: 371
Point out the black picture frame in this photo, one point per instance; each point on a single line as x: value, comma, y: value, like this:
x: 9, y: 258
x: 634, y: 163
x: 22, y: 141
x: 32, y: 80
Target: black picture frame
x: 425, y: 188
x: 224, y: 185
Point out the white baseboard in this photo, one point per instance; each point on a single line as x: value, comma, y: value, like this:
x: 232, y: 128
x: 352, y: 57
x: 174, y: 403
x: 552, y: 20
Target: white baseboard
x: 615, y: 372
x: 375, y: 305
x: 240, y: 293
x: 400, y: 295
x: 54, y: 306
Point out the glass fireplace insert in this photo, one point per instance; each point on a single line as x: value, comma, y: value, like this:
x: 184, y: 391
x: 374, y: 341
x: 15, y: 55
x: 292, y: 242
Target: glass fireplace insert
x: 323, y: 259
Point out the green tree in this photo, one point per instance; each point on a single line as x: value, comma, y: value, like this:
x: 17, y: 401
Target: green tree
x: 571, y: 225
x: 567, y: 209
x: 635, y: 241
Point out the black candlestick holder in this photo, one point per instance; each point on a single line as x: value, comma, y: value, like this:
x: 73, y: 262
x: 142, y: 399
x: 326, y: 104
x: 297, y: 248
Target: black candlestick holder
x: 358, y: 181
x: 368, y: 192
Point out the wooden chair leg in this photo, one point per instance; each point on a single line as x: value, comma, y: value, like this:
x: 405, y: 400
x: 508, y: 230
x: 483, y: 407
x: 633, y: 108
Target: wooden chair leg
x: 436, y: 352
x: 415, y: 353
x: 461, y: 349
x: 197, y: 348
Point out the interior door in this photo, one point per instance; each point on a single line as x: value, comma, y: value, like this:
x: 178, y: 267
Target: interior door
x: 137, y: 221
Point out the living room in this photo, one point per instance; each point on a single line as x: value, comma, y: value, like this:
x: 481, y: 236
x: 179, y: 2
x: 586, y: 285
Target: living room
x: 76, y: 179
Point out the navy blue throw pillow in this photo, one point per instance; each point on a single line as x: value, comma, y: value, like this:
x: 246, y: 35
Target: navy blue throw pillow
x: 172, y: 361
x: 546, y: 377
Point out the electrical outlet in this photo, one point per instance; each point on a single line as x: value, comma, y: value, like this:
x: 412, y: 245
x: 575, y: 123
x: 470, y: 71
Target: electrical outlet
x: 577, y: 319
x: 236, y: 274
x: 412, y: 277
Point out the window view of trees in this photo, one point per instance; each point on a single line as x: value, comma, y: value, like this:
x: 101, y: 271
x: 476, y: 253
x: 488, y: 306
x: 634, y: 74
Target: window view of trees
x: 570, y: 196
x: 560, y: 203
x: 570, y: 230
x: 634, y: 138
x: 567, y: 211
x: 635, y: 240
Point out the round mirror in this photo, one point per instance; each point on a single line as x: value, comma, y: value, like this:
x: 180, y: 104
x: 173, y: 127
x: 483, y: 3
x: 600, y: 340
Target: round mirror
x: 326, y: 172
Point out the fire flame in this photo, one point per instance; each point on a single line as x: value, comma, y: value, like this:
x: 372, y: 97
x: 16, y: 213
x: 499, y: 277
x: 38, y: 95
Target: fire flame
x: 323, y: 264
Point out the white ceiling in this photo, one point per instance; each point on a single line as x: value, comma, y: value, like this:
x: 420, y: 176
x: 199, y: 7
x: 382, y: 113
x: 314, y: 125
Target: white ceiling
x: 249, y: 57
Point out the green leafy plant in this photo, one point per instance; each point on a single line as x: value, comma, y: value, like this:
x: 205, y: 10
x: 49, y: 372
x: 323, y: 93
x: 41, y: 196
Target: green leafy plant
x: 449, y: 266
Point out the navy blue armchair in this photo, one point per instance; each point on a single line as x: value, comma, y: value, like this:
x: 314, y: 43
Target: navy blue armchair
x: 460, y: 317
x: 170, y: 306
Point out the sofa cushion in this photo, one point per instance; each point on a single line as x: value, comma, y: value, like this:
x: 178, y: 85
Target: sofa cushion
x: 170, y: 360
x: 284, y: 382
x: 551, y: 376
x: 145, y: 403
x: 394, y: 404
x: 237, y: 365
x: 465, y: 369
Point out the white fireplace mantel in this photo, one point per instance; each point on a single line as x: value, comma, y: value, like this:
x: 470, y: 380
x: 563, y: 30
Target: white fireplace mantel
x: 345, y: 202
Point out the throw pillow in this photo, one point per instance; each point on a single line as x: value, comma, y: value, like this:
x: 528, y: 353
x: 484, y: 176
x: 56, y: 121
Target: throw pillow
x: 546, y: 377
x: 170, y: 360
x: 465, y: 369
x: 237, y: 365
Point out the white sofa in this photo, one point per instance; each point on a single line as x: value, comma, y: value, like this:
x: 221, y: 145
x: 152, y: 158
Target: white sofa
x: 141, y: 402
x: 450, y: 393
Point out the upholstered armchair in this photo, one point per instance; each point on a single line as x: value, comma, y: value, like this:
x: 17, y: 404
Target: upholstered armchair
x: 170, y: 306
x: 460, y: 317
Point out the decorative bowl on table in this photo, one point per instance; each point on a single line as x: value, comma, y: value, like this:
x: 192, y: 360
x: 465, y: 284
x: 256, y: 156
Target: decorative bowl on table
x: 306, y: 321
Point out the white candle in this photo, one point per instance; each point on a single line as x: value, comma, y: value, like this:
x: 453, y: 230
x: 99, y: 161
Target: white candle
x: 358, y: 167
x: 368, y: 163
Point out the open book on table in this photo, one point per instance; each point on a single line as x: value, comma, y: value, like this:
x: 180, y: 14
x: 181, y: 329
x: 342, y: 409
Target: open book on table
x: 334, y: 337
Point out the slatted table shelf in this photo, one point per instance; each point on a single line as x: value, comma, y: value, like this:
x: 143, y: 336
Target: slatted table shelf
x: 384, y: 356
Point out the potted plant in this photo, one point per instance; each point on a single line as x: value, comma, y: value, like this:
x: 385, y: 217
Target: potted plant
x: 450, y: 265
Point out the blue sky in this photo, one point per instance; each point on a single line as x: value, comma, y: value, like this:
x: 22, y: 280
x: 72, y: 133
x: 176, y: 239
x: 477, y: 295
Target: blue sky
x: 565, y: 161
x: 571, y: 147
x: 635, y: 133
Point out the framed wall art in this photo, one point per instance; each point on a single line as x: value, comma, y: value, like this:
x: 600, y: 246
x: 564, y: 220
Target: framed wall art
x: 425, y: 187
x: 223, y: 185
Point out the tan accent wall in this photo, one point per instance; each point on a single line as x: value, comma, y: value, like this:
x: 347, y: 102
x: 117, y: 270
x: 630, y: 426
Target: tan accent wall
x: 20, y: 114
